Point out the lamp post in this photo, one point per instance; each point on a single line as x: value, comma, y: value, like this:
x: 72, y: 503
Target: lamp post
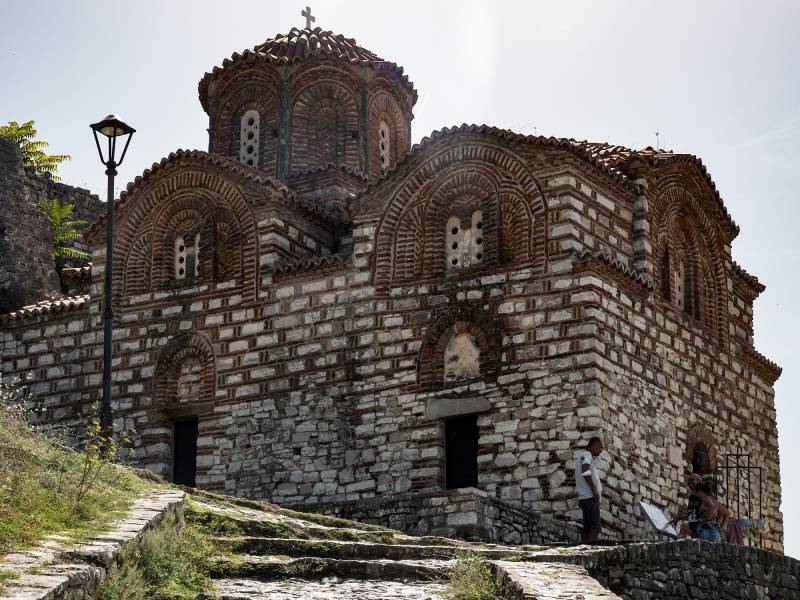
x: 112, y: 128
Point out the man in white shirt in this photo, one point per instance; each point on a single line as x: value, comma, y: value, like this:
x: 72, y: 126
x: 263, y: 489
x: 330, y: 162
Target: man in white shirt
x: 589, y: 488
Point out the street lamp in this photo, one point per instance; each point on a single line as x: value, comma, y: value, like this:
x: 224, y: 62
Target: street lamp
x: 112, y: 128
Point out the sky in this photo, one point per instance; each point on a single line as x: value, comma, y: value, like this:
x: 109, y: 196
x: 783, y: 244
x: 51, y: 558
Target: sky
x: 716, y: 78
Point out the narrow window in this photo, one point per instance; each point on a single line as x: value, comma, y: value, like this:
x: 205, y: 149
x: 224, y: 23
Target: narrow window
x: 461, y: 452
x: 476, y: 238
x: 680, y: 283
x: 180, y: 257
x: 665, y: 278
x: 464, y: 245
x: 187, y: 263
x: 384, y: 145
x: 248, y: 151
x: 454, y: 239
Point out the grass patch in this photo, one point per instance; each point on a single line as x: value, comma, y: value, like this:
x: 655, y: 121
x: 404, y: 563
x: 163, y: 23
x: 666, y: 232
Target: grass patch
x: 472, y: 579
x: 170, y: 562
x: 39, y: 483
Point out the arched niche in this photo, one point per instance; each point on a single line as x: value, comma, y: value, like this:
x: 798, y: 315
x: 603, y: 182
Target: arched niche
x: 459, y: 346
x: 689, y: 258
x: 388, y: 132
x: 175, y: 202
x: 455, y: 184
x: 325, y: 127
x: 185, y: 375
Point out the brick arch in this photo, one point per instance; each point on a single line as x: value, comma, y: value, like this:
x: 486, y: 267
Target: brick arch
x: 699, y: 438
x: 325, y: 115
x: 682, y: 225
x: 186, y: 347
x: 384, y: 107
x: 463, y: 319
x: 188, y: 211
x: 173, y: 184
x: 137, y: 266
x: 227, y: 125
x: 513, y: 208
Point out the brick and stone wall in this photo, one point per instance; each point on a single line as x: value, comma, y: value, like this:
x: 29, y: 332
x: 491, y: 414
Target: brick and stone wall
x: 312, y: 349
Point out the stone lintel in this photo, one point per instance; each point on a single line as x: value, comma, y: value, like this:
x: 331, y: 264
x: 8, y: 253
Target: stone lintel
x: 442, y: 408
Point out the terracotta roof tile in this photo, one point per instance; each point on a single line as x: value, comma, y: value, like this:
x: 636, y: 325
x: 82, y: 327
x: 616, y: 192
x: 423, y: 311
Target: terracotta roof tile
x: 231, y: 165
x: 763, y: 366
x: 300, y: 44
x: 611, y: 159
x: 51, y: 305
x: 751, y: 280
x: 621, y: 159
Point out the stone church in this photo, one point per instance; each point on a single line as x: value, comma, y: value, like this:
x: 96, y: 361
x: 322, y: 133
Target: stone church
x: 316, y: 313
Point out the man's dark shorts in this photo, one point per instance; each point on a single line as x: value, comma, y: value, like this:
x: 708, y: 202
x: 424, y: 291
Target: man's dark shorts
x: 591, y: 514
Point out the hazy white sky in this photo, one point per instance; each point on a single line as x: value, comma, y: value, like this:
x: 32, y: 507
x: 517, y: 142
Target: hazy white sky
x: 719, y: 79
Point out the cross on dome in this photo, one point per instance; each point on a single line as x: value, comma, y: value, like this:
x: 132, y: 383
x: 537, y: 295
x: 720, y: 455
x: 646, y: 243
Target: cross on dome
x: 309, y: 18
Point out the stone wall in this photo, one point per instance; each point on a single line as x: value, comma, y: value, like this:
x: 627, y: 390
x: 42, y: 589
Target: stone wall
x: 26, y: 263
x: 322, y: 375
x: 467, y: 514
x: 27, y: 272
x: 694, y: 569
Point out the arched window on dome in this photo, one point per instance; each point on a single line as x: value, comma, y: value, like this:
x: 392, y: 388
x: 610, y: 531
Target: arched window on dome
x: 464, y: 242
x: 187, y: 256
x: 248, y: 147
x: 384, y: 145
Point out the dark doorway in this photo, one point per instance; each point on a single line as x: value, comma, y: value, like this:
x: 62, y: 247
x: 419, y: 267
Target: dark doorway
x: 461, y: 451
x: 184, y: 451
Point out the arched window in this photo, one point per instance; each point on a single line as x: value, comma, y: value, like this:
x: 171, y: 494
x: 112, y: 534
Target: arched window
x: 248, y: 147
x: 461, y: 358
x: 384, y: 145
x: 464, y: 243
x: 187, y: 263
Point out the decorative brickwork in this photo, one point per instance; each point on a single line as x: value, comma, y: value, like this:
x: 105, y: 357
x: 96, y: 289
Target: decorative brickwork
x: 323, y: 339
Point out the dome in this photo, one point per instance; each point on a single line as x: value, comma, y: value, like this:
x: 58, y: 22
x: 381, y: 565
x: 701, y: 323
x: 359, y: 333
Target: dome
x: 309, y: 99
x: 300, y: 44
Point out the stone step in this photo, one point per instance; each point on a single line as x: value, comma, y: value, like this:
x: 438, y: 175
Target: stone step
x: 271, y: 568
x: 261, y: 546
x: 549, y: 581
x: 329, y: 588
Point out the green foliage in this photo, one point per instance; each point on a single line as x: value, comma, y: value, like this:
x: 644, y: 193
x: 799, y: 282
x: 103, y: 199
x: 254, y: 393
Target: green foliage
x: 472, y: 579
x: 64, y: 232
x: 169, y: 562
x: 33, y: 154
x: 40, y: 481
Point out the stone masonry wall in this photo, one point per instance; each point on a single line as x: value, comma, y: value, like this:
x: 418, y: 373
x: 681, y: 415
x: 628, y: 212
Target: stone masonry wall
x: 694, y: 569
x: 466, y: 513
x: 27, y: 272
x: 323, y: 388
x: 26, y: 264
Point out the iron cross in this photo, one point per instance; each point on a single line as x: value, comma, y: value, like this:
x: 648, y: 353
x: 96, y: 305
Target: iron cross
x: 309, y: 19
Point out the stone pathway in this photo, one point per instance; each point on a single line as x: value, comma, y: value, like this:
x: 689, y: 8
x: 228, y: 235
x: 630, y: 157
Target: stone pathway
x: 552, y: 581
x: 327, y: 589
x: 60, y: 568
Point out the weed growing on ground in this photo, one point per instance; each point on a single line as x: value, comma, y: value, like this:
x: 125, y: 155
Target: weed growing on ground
x: 170, y: 562
x: 471, y: 578
x: 45, y: 485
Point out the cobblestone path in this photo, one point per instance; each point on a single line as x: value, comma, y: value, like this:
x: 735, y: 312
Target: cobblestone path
x: 327, y: 589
